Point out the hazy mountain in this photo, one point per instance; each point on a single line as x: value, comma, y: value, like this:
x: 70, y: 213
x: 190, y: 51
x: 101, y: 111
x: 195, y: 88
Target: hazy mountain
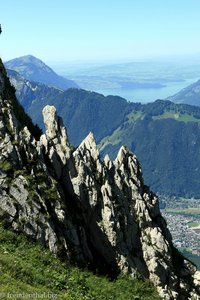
x: 34, y: 69
x: 144, y: 81
x: 189, y: 95
x: 165, y: 136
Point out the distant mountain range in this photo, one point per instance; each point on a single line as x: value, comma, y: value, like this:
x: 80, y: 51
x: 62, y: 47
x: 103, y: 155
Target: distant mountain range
x: 165, y: 136
x: 189, y: 95
x: 34, y: 69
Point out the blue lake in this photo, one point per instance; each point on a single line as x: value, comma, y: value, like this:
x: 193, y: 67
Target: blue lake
x: 148, y: 95
x: 106, y: 79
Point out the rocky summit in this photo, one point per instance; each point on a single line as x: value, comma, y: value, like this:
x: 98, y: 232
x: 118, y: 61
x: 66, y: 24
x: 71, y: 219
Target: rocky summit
x: 92, y: 212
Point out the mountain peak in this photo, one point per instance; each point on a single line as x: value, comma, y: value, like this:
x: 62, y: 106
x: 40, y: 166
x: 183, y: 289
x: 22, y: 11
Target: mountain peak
x: 29, y: 58
x: 36, y: 70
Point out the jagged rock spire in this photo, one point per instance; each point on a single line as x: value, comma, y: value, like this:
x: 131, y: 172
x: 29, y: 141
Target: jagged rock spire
x: 116, y: 203
x: 55, y: 130
x: 55, y: 140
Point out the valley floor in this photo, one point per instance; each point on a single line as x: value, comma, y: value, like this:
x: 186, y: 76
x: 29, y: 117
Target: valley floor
x: 183, y: 219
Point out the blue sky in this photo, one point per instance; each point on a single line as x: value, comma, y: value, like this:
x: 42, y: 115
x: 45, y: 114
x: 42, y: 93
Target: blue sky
x: 68, y: 30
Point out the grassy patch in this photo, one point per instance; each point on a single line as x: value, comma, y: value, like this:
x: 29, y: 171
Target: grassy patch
x: 134, y: 116
x: 26, y: 268
x: 193, y: 224
x: 193, y: 211
x: 177, y: 116
x: 191, y: 256
x: 114, y: 139
x: 5, y: 165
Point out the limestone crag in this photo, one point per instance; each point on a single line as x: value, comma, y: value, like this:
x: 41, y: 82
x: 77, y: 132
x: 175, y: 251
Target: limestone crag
x: 120, y: 214
x: 97, y: 213
x: 55, y: 140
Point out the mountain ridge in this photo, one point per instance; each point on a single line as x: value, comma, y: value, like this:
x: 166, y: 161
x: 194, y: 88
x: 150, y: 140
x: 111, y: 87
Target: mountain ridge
x: 188, y: 95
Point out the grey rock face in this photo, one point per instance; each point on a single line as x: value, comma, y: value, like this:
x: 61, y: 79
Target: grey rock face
x: 55, y: 140
x: 97, y: 213
x: 120, y: 213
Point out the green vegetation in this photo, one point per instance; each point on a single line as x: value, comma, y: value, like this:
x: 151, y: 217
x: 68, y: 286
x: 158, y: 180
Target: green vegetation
x: 82, y: 109
x: 177, y: 116
x: 192, y: 257
x: 134, y: 116
x: 114, y: 139
x: 5, y: 165
x: 28, y: 268
x: 180, y: 202
x: 193, y: 224
x: 167, y: 148
x: 193, y: 211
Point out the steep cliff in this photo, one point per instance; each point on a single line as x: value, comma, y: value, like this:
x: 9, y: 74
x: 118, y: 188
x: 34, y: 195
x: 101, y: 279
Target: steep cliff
x: 96, y: 213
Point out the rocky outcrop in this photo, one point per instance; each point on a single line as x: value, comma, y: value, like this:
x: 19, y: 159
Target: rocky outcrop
x: 97, y: 213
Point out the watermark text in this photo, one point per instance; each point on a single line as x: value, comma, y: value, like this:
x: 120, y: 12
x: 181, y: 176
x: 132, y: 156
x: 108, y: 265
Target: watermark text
x: 44, y: 295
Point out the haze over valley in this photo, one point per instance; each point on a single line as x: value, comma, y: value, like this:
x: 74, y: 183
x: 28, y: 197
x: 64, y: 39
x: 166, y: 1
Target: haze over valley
x: 137, y: 81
